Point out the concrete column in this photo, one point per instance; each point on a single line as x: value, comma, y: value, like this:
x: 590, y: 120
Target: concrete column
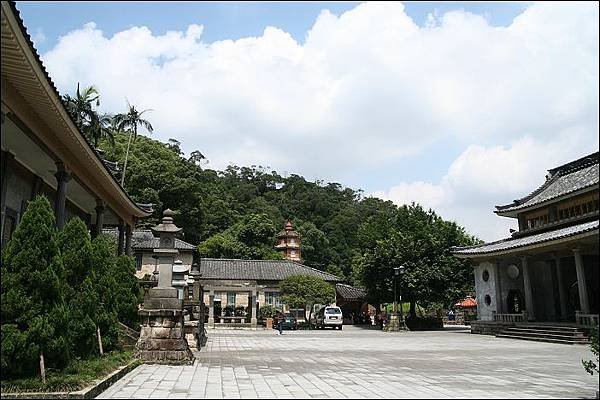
x: 562, y: 297
x: 252, y: 298
x: 581, y: 283
x: 128, y: 235
x: 527, y: 287
x: 100, y: 208
x: 498, y: 286
x: 121, y: 243
x: 211, y: 309
x: 62, y: 178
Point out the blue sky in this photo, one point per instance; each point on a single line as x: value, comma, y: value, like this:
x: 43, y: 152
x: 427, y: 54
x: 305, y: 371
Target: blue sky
x: 459, y: 106
x: 222, y: 20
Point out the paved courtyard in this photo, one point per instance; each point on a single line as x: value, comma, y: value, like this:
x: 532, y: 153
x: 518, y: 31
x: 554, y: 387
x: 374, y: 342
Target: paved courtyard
x: 360, y: 362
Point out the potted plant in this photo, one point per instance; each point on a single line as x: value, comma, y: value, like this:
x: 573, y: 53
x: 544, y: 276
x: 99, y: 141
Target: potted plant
x: 228, y: 312
x: 266, y: 313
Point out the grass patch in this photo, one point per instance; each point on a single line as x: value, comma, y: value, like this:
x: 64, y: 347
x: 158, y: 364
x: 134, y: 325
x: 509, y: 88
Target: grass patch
x: 76, y: 376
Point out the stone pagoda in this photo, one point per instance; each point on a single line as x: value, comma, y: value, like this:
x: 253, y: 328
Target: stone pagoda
x: 162, y: 338
x: 288, y: 242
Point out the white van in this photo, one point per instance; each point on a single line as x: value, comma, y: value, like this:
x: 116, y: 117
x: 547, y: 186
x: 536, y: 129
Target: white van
x: 329, y: 316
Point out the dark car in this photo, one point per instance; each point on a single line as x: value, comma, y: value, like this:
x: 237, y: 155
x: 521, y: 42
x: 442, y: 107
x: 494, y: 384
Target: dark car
x: 289, y: 322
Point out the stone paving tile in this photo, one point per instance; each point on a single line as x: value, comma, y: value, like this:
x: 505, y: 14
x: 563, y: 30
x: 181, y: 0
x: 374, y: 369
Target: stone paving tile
x: 365, y: 363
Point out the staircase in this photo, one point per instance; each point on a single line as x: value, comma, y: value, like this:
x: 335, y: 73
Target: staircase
x: 545, y: 333
x: 127, y: 337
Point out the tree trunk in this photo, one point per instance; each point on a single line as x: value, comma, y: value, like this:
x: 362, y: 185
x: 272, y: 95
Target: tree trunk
x: 42, y: 368
x: 99, y: 341
x: 310, y: 316
x: 126, y: 156
x: 413, y: 309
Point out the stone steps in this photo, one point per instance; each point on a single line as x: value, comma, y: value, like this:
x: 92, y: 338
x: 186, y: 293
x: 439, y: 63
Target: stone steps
x: 549, y: 334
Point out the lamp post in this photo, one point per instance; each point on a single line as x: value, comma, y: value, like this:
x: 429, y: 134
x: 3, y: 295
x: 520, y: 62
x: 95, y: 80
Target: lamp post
x: 399, y: 271
x: 394, y: 325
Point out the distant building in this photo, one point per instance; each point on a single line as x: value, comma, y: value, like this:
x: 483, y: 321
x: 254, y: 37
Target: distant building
x: 43, y: 152
x: 548, y: 269
x: 288, y: 242
x: 249, y: 284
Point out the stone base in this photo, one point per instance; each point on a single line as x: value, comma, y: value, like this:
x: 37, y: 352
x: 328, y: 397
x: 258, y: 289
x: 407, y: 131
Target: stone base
x: 395, y: 324
x: 162, y: 338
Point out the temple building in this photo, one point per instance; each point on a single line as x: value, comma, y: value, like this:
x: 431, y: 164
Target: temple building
x: 247, y: 285
x: 43, y: 152
x: 547, y: 271
x: 288, y: 242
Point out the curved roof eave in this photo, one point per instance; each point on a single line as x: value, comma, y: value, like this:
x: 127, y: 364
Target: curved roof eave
x: 12, y: 16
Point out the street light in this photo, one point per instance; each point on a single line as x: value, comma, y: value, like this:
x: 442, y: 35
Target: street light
x: 399, y: 271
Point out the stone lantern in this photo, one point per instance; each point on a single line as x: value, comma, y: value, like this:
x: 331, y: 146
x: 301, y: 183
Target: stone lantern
x: 162, y: 337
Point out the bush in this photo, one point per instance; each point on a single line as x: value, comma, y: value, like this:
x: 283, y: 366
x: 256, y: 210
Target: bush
x: 58, y: 288
x: 589, y: 365
x: 266, y: 311
x: 33, y: 290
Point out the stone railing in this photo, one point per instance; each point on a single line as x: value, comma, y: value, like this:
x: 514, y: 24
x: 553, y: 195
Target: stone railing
x: 510, y: 318
x: 224, y: 320
x: 587, y: 320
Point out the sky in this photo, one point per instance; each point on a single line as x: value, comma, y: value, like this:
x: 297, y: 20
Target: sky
x: 456, y: 106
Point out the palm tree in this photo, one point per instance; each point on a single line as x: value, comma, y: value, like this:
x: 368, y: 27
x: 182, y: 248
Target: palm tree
x: 130, y: 122
x: 80, y: 106
x: 101, y: 126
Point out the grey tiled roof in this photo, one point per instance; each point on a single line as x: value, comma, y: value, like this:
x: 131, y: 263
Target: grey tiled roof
x: 568, y: 178
x: 513, y: 243
x: 145, y: 240
x: 267, y: 270
x: 348, y: 292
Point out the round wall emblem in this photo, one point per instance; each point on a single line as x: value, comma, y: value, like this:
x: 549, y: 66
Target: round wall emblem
x: 485, y: 275
x: 512, y: 271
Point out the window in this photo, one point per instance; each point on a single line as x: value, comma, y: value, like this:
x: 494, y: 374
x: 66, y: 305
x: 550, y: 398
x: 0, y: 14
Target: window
x: 231, y: 298
x: 138, y: 262
x: 273, y: 299
x: 293, y: 253
x: 570, y: 210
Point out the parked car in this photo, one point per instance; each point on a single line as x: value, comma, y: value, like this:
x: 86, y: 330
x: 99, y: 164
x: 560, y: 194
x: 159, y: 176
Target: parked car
x: 289, y: 322
x: 329, y: 316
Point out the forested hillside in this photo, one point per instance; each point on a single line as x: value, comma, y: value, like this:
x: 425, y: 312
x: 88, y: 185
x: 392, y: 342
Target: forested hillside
x: 237, y: 212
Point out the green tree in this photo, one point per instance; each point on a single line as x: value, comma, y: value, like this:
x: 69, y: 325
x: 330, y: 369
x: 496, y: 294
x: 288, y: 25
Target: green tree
x: 33, y: 308
x: 252, y: 237
x: 80, y: 107
x: 93, y: 125
x: 130, y: 121
x: 299, y: 291
x: 420, y: 241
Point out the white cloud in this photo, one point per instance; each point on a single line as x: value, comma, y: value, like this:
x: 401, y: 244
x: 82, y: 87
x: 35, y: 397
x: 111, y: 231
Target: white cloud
x: 483, y: 177
x: 365, y: 89
x: 38, y: 37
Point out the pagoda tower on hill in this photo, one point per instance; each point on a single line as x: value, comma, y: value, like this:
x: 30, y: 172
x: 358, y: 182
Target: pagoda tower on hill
x: 288, y: 242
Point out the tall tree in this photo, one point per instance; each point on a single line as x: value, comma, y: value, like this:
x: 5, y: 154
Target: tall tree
x: 130, y: 122
x: 299, y: 291
x: 33, y: 309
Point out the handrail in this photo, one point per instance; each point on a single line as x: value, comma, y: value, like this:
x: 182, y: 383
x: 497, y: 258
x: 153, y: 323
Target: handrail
x: 587, y: 320
x: 510, y: 318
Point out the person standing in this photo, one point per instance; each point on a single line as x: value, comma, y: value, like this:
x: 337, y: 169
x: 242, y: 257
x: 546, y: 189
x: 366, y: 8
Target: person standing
x: 280, y: 322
